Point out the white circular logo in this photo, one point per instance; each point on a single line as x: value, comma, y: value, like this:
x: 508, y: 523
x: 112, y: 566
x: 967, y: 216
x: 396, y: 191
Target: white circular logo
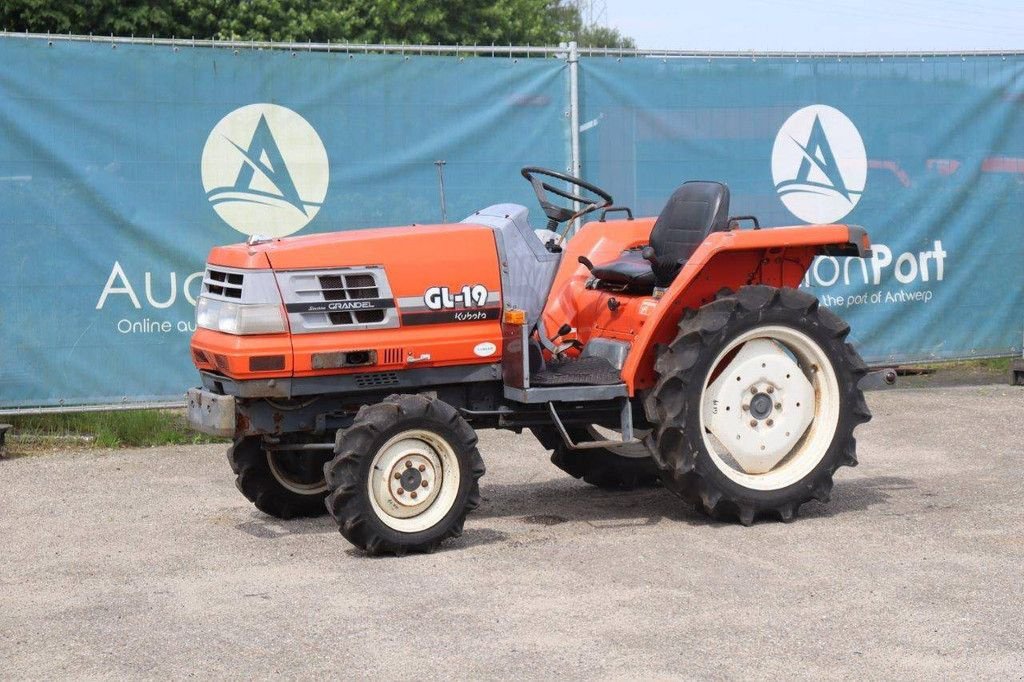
x: 265, y: 170
x: 484, y: 349
x: 819, y: 165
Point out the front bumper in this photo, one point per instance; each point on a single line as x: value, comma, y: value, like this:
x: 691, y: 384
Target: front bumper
x: 211, y: 413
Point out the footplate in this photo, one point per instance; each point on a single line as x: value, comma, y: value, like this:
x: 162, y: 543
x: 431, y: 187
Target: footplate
x: 588, y: 371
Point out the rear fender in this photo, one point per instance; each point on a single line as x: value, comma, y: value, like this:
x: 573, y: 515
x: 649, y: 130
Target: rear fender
x: 777, y: 257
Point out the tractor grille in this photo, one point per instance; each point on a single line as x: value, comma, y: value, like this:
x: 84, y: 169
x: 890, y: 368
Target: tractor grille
x: 355, y: 298
x: 376, y: 379
x: 351, y: 288
x: 223, y: 283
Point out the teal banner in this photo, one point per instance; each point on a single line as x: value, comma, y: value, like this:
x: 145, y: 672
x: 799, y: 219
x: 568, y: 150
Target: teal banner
x: 121, y: 165
x: 927, y: 153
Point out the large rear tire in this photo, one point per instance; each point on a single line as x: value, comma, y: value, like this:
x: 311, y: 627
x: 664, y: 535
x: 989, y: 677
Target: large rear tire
x: 755, y: 404
x: 404, y: 475
x: 616, y: 469
x: 285, y: 484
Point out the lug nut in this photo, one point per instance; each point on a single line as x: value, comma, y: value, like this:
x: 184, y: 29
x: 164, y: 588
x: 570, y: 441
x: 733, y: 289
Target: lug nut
x: 753, y: 422
x: 400, y: 491
x: 746, y: 407
x: 770, y: 422
x: 408, y: 464
x: 753, y: 390
x: 423, y: 467
x: 778, y: 406
x: 398, y: 476
x: 770, y: 389
x: 413, y: 494
x: 426, y: 483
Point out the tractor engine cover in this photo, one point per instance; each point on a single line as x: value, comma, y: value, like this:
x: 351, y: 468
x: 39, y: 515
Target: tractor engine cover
x: 366, y: 301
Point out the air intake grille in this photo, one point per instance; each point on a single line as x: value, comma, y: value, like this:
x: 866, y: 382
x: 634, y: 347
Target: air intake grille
x: 351, y: 288
x: 222, y: 283
x: 376, y: 379
x: 338, y: 300
x: 222, y: 362
x: 392, y: 356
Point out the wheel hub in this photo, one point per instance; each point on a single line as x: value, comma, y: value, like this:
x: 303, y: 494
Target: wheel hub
x: 410, y: 479
x: 759, y: 406
x: 408, y: 476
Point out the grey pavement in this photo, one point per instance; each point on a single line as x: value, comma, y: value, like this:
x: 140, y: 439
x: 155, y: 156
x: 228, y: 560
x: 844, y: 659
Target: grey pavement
x: 148, y: 563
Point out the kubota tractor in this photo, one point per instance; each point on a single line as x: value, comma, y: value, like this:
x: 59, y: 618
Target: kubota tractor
x: 352, y: 369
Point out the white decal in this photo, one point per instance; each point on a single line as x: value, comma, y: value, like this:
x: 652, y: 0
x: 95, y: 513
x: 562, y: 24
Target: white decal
x: 485, y: 349
x: 439, y: 298
x: 265, y: 170
x: 819, y: 164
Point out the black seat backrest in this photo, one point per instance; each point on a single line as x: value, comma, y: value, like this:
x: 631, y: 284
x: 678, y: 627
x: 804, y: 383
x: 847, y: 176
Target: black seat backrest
x: 695, y: 210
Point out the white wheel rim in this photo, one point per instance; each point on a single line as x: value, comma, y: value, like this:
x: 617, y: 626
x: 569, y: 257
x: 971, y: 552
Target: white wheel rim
x: 292, y: 485
x: 769, y: 415
x: 399, y: 470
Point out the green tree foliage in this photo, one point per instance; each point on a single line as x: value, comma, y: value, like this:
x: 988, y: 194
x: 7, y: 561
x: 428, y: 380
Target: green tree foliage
x: 449, y: 22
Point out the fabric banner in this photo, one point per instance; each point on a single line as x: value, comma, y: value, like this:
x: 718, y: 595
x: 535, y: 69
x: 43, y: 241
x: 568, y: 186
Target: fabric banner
x: 927, y: 153
x: 121, y: 167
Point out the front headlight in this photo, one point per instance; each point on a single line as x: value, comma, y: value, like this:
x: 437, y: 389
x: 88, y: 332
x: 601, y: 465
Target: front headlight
x: 239, y: 318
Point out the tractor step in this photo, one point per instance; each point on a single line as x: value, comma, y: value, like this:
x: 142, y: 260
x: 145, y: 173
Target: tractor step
x: 626, y: 427
x: 589, y: 371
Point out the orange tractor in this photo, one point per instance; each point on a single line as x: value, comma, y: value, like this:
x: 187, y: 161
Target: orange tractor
x: 352, y: 369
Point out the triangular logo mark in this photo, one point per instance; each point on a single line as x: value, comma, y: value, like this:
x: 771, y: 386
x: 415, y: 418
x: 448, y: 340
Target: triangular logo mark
x: 818, y: 157
x: 264, y: 156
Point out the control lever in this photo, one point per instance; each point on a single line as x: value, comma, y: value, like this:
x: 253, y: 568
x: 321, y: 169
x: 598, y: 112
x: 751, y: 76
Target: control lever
x: 573, y: 343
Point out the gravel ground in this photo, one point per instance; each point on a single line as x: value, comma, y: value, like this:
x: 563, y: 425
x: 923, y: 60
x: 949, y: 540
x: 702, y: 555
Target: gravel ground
x: 148, y: 563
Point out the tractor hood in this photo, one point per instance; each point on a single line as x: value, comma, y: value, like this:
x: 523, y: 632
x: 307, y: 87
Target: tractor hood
x: 438, y: 248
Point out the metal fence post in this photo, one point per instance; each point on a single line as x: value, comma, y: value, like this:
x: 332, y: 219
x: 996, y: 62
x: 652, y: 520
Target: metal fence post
x: 574, y: 120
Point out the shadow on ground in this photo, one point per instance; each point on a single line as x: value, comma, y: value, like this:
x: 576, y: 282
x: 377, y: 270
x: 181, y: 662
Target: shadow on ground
x: 551, y: 503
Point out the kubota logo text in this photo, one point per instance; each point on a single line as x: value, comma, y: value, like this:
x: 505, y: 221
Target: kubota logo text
x: 819, y: 165
x: 265, y: 170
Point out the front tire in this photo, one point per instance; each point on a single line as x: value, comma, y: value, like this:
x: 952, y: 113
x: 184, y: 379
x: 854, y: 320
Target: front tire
x: 404, y: 475
x: 285, y: 484
x: 755, y: 404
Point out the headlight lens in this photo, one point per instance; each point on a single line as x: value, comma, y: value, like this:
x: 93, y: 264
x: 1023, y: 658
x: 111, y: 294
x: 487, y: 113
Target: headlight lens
x: 239, y: 318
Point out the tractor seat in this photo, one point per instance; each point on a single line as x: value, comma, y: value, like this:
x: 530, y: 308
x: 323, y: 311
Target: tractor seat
x: 629, y: 269
x: 695, y: 210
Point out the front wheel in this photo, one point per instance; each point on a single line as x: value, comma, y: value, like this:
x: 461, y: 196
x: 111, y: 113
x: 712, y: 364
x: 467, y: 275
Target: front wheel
x: 755, y: 404
x: 282, y: 483
x: 404, y: 475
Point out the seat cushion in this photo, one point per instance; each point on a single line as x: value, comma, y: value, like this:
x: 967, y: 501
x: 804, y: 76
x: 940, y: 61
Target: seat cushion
x: 629, y: 269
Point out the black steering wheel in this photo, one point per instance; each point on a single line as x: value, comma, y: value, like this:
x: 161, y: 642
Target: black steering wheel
x: 559, y: 214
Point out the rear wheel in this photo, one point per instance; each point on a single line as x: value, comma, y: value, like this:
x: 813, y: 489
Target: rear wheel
x: 283, y: 483
x: 620, y: 469
x: 756, y: 403
x: 404, y: 475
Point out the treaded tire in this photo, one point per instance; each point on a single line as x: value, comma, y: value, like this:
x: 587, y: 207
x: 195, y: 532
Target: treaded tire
x: 599, y: 467
x: 255, y: 480
x: 673, y: 405
x: 349, y: 472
